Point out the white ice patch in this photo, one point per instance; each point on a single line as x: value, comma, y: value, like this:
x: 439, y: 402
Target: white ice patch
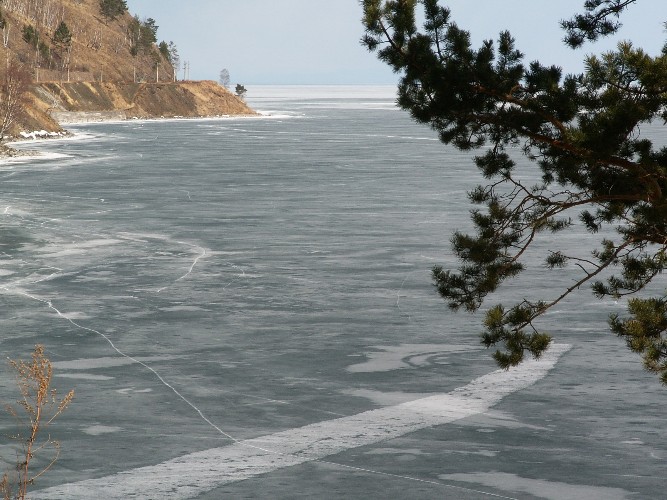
x: 406, y: 356
x: 15, y: 212
x: 132, y: 390
x: 197, y: 473
x: 71, y: 137
x: 29, y: 158
x: 550, y: 490
x: 98, y: 430
x: 279, y: 115
x: 74, y: 315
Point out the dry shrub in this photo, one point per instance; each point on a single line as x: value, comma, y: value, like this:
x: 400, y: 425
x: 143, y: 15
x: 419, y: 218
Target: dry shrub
x: 34, y: 412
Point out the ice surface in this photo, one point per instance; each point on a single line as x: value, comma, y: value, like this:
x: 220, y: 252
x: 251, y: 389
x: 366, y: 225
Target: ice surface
x: 189, y: 475
x: 30, y: 158
x: 549, y: 490
x: 105, y: 362
x: 98, y: 430
x: 267, y: 274
x: 404, y: 356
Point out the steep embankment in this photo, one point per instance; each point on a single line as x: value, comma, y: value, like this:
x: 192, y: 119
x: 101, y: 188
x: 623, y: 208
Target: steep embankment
x: 61, y: 103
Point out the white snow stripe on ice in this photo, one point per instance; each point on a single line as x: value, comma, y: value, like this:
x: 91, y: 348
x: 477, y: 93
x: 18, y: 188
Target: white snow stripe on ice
x: 196, y: 473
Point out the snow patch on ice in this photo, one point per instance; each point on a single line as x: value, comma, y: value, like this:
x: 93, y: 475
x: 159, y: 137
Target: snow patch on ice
x: 98, y: 430
x: 28, y: 158
x: 132, y: 390
x: 550, y: 490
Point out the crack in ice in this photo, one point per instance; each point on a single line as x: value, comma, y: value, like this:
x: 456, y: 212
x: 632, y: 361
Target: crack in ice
x: 15, y: 287
x: 194, y: 263
x: 62, y: 315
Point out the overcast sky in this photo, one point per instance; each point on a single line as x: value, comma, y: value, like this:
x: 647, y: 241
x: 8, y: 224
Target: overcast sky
x: 317, y: 41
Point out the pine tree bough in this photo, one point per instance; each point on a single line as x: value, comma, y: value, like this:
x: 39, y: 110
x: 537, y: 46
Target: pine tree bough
x: 583, y: 134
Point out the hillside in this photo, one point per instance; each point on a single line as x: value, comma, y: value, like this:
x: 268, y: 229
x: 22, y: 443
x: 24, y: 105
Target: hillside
x: 92, y: 101
x: 98, y: 64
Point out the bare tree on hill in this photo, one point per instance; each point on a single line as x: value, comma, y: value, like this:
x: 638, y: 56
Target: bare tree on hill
x: 224, y: 78
x: 13, y: 96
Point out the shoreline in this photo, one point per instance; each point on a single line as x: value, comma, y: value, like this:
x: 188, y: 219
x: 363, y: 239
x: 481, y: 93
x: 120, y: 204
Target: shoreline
x: 13, y: 156
x: 166, y: 119
x: 93, y: 117
x: 10, y: 153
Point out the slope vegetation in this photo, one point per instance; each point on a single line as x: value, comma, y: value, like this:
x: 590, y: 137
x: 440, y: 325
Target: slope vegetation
x: 104, y: 66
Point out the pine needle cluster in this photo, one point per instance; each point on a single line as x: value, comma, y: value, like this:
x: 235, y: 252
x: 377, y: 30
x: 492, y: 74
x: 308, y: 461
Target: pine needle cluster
x: 580, y: 132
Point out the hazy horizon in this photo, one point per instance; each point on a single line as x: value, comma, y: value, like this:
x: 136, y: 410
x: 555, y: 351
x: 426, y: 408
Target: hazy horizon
x: 305, y: 42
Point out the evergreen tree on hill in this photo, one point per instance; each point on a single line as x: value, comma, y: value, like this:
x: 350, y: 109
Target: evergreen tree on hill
x: 62, y: 36
x: 112, y: 8
x: 581, y: 133
x: 143, y: 35
x: 62, y: 43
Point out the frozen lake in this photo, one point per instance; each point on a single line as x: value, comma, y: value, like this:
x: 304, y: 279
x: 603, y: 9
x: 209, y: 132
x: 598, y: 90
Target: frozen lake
x: 244, y: 309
